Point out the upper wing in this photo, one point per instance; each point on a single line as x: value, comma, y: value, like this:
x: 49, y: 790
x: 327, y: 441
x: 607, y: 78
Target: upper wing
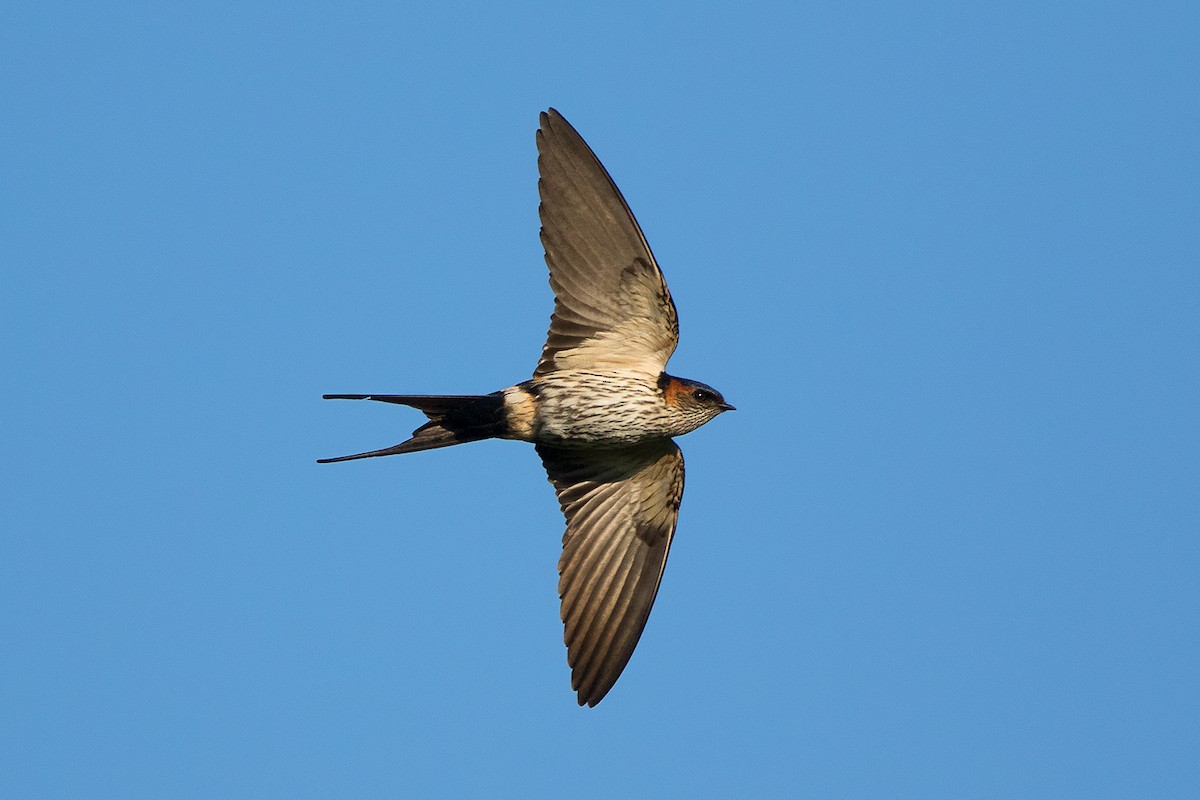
x: 621, y: 506
x: 611, y: 307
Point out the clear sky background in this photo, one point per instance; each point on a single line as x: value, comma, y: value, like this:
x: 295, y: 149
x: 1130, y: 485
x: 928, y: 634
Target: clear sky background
x: 944, y: 258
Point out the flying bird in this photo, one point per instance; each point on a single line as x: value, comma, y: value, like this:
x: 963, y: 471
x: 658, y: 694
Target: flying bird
x: 600, y: 409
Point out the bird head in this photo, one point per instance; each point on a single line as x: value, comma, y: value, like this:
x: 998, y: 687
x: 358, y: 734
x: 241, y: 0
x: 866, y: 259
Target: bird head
x: 694, y: 401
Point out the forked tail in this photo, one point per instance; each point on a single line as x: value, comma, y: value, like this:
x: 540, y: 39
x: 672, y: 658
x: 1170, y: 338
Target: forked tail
x: 452, y: 420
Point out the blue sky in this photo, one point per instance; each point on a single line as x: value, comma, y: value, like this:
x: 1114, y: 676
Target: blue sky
x: 944, y: 258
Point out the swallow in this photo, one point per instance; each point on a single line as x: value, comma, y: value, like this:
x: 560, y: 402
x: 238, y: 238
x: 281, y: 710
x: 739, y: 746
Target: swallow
x: 600, y: 409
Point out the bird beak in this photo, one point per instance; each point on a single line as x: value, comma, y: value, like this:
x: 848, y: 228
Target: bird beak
x: 727, y: 407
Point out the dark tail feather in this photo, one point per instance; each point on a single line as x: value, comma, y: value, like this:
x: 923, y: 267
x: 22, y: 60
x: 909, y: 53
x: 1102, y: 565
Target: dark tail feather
x: 453, y: 419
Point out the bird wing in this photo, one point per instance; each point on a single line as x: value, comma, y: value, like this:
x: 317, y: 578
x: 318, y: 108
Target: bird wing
x: 612, y: 308
x: 621, y: 507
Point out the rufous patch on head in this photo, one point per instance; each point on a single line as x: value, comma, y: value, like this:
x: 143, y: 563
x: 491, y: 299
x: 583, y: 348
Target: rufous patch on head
x: 673, y: 390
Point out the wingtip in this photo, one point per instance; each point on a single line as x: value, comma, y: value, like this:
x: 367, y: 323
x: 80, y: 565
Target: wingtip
x: 550, y: 118
x: 546, y: 122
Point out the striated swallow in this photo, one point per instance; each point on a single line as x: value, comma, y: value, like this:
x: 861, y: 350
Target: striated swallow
x: 600, y: 409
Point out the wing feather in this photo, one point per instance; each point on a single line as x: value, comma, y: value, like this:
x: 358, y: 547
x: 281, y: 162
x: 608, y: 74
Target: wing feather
x: 621, y: 507
x: 612, y: 308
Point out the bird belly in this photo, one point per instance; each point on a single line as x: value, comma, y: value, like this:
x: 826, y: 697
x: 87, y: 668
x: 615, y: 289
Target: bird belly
x: 596, y: 408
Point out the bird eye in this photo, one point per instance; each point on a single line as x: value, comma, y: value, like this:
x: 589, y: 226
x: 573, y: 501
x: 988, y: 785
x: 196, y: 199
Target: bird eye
x: 701, y: 395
